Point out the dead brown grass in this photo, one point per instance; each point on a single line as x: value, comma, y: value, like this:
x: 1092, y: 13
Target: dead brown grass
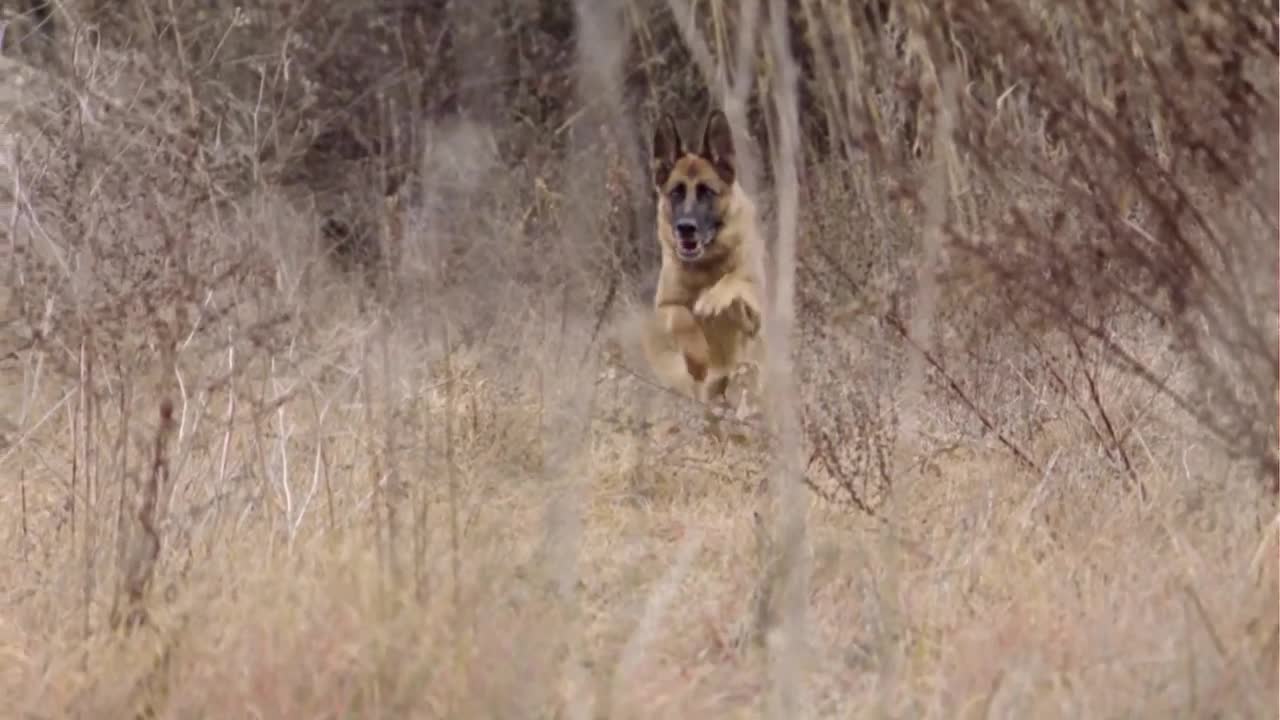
x: 1030, y: 252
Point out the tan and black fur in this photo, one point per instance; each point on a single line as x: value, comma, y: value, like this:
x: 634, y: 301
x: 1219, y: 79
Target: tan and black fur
x: 708, y: 316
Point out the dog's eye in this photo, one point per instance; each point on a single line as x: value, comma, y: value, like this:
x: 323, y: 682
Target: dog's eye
x: 677, y: 194
x: 704, y: 192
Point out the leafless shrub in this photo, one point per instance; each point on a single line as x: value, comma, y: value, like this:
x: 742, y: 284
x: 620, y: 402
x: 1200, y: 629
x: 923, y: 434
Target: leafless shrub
x: 1087, y: 200
x: 1161, y: 211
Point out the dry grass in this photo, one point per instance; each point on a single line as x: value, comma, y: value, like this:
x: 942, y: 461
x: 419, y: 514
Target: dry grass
x: 1027, y: 262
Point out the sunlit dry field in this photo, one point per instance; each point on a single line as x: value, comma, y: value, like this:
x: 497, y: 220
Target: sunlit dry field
x: 294, y: 430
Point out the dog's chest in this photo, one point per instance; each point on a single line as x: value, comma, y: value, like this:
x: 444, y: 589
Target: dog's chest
x: 685, y: 284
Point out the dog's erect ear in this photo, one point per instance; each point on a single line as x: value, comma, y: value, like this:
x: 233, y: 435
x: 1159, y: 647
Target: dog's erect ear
x: 667, y: 149
x: 717, y: 145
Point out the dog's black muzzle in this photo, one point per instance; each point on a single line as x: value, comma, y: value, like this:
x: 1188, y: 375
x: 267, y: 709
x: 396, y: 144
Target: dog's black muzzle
x: 695, y: 230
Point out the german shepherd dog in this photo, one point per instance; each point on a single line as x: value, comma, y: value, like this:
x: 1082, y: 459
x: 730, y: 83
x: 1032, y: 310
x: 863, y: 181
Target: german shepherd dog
x: 707, y: 317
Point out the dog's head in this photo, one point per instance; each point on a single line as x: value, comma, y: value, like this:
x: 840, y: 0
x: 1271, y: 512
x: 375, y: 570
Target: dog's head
x: 694, y: 188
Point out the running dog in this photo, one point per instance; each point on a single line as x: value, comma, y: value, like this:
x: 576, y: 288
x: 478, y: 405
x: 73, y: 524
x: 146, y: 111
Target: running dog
x: 707, y: 317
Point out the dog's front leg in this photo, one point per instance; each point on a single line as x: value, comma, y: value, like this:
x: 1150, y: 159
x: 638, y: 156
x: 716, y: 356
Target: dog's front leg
x: 736, y: 293
x: 680, y: 323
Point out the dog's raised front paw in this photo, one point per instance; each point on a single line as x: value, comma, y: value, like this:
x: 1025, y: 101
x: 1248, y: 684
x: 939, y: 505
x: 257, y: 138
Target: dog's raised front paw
x: 711, y: 303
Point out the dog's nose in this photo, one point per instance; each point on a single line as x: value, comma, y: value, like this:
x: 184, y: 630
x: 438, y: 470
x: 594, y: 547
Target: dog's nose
x: 686, y: 229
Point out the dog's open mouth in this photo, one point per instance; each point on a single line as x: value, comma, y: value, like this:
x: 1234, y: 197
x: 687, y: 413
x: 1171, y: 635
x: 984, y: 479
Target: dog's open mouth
x: 689, y: 250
